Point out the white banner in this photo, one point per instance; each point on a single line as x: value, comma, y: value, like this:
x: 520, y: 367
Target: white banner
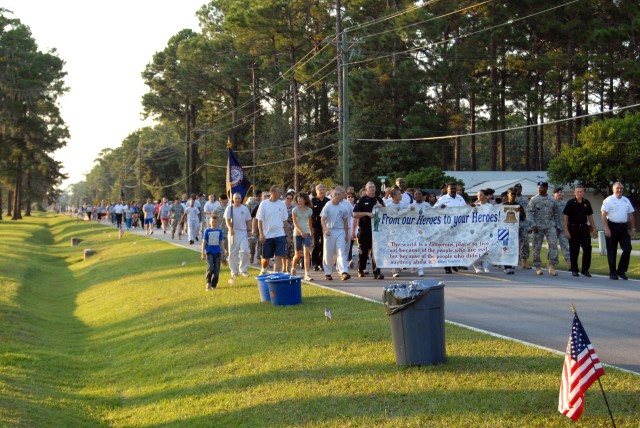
x: 439, y: 237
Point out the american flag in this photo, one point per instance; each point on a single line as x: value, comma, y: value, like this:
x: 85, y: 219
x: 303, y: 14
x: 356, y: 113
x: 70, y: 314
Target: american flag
x: 581, y: 368
x: 327, y: 313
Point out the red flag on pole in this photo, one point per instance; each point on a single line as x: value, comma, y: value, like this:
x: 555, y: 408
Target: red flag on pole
x: 581, y: 368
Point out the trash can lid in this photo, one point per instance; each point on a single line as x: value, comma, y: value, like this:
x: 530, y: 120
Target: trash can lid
x: 289, y: 279
x: 273, y: 275
x: 396, y: 297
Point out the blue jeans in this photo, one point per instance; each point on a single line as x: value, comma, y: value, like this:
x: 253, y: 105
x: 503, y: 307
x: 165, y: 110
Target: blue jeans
x: 128, y: 222
x: 213, y: 269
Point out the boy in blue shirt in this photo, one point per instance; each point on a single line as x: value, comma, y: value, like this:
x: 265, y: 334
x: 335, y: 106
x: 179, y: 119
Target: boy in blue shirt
x: 212, y: 249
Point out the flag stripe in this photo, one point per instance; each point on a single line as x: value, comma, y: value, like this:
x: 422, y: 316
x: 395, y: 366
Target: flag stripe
x: 580, y: 370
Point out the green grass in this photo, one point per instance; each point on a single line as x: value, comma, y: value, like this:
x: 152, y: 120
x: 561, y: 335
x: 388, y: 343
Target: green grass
x: 599, y: 264
x: 131, y: 338
x: 596, y: 246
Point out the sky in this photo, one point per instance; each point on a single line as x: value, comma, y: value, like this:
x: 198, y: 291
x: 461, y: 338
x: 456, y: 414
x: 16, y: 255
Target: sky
x: 106, y: 45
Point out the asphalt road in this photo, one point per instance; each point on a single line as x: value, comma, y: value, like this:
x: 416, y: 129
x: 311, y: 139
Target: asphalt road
x: 525, y: 307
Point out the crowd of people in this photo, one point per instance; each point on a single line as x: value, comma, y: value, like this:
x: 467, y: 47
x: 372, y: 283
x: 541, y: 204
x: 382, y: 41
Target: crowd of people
x: 316, y: 230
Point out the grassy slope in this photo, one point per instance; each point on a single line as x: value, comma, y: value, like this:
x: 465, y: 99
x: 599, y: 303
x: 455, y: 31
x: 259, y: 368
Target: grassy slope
x: 130, y: 338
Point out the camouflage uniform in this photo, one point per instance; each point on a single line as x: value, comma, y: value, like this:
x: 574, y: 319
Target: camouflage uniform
x: 543, y: 213
x: 523, y: 229
x: 253, y: 240
x: 562, y: 240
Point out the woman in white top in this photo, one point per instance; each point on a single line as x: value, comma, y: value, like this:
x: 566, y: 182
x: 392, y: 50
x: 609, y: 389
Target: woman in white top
x: 302, y: 233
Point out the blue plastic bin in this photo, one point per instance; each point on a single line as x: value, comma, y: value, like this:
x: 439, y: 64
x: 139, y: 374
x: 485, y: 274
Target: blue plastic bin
x: 263, y: 287
x: 285, y: 291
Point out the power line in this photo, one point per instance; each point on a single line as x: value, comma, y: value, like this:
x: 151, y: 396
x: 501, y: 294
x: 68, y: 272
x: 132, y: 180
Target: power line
x: 278, y: 161
x: 425, y: 21
x: 390, y: 16
x: 447, y: 137
x: 430, y: 45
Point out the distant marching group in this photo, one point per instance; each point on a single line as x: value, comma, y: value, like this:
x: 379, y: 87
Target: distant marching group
x: 317, y: 230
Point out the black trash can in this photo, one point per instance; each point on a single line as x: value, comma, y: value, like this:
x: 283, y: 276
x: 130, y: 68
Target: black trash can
x: 416, y: 311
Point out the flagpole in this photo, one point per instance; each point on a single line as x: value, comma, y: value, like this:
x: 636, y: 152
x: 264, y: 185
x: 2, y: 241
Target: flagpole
x: 573, y: 309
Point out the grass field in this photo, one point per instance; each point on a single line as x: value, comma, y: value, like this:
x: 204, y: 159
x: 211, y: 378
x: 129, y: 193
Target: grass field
x: 129, y: 337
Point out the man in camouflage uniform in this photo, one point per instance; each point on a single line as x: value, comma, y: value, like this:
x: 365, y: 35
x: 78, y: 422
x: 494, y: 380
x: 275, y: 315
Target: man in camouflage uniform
x: 558, y: 195
x: 544, y: 215
x: 523, y: 229
x: 252, y: 204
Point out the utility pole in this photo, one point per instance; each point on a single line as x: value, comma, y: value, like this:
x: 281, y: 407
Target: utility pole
x: 206, y: 167
x: 345, y: 111
x: 204, y: 129
x: 254, y: 123
x: 339, y: 62
x: 139, y: 173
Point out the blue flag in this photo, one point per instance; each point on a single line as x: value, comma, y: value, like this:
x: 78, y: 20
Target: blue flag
x: 237, y: 181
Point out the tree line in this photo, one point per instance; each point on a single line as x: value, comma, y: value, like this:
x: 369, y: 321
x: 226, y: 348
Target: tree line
x: 31, y: 128
x: 263, y: 75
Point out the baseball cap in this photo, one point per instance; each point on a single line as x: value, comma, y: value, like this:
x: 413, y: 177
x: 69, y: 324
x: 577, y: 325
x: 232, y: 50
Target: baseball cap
x: 543, y: 183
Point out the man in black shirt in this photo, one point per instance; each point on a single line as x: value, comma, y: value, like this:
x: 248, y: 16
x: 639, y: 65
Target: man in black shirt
x: 576, y: 214
x: 363, y: 212
x: 317, y: 204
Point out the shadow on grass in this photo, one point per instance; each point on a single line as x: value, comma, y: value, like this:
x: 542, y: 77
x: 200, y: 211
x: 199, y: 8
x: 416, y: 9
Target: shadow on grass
x: 40, y: 356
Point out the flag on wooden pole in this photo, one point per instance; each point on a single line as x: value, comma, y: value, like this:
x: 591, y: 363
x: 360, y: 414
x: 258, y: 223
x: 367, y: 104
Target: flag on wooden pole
x: 237, y: 181
x: 581, y: 368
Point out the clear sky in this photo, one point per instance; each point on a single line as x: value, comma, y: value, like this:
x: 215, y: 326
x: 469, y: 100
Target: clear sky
x: 106, y: 45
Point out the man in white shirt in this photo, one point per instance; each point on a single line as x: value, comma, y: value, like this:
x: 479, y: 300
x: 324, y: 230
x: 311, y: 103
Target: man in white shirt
x: 119, y: 211
x: 273, y: 229
x: 407, y: 198
x: 451, y: 199
x: 208, y: 209
x: 238, y: 219
x: 419, y: 204
x: 617, y: 215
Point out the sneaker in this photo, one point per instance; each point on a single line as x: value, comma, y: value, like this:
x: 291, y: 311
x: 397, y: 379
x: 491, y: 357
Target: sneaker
x: 308, y: 278
x: 623, y: 276
x: 209, y: 287
x: 316, y: 268
x: 360, y: 274
x: 575, y: 273
x: 344, y: 276
x: 396, y: 275
x: 366, y: 272
x: 350, y: 264
x: 420, y: 272
x: 378, y: 276
x: 196, y: 238
x: 511, y: 272
x: 191, y: 242
x: 245, y: 275
x: 613, y: 276
x: 538, y: 271
x: 487, y: 270
x: 586, y: 273
x: 328, y: 278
